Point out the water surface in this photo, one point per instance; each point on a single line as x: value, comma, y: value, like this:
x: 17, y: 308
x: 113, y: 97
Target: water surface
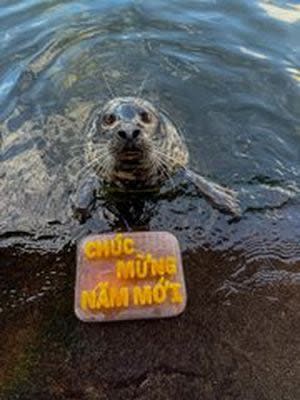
x: 227, y: 73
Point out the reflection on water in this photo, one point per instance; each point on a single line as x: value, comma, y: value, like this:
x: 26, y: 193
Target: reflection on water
x: 227, y: 74
x: 295, y: 73
x: 283, y: 12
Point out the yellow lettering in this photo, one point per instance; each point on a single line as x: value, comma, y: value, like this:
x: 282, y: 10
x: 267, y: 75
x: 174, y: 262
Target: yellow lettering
x: 128, y: 246
x: 102, y: 300
x: 159, y: 266
x: 90, y: 250
x: 125, y: 269
x: 88, y: 300
x: 176, y: 294
x: 116, y: 245
x: 119, y: 297
x: 171, y: 265
x: 159, y: 292
x: 141, y: 267
x: 142, y: 295
x: 105, y: 248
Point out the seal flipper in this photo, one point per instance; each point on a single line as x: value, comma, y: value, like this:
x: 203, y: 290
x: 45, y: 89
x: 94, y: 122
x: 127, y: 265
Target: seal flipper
x: 85, y: 197
x: 222, y: 198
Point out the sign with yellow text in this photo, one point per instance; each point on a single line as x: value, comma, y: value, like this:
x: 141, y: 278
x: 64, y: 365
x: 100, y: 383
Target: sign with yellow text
x: 130, y: 275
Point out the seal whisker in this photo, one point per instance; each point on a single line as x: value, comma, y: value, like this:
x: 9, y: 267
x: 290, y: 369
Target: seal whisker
x: 162, y: 166
x: 106, y: 166
x: 73, y: 160
x: 83, y: 145
x: 112, y: 95
x: 88, y: 166
x: 78, y: 158
x: 142, y: 85
x: 166, y: 156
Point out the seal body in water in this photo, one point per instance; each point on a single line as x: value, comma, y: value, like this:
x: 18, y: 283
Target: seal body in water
x: 133, y: 145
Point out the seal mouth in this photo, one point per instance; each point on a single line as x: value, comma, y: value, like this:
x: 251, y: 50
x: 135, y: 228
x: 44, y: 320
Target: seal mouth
x: 130, y: 154
x: 131, y: 150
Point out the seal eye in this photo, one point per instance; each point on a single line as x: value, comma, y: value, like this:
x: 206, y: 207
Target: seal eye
x: 145, y: 117
x: 109, y: 119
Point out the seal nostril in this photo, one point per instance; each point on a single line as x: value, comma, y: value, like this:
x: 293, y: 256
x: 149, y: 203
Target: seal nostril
x: 122, y: 134
x: 136, y: 133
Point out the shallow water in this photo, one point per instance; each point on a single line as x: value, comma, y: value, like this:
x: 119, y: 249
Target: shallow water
x: 227, y: 73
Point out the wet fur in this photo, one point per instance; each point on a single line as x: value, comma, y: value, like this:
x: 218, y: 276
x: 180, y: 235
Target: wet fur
x: 163, y: 151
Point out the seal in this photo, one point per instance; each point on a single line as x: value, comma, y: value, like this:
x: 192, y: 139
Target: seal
x: 133, y: 145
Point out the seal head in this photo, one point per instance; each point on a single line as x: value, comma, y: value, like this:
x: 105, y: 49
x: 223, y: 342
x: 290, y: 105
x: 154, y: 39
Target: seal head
x: 131, y: 143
